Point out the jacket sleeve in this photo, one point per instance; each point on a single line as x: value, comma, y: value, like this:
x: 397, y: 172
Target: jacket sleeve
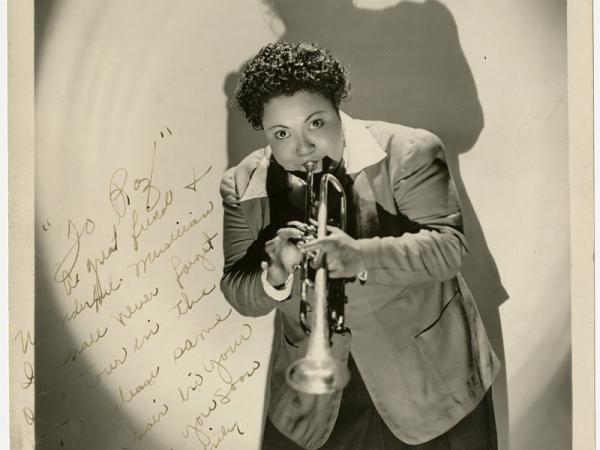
x: 243, y: 252
x: 425, y: 195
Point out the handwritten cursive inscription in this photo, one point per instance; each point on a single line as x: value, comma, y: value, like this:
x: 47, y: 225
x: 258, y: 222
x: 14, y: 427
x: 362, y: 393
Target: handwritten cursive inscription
x: 218, y: 362
x: 137, y: 229
x: 191, y: 343
x: 212, y: 442
x: 64, y: 271
x: 201, y: 256
x: 198, y: 380
x: 29, y: 415
x: 152, y: 242
x: 99, y: 293
x: 78, y: 308
x: 223, y: 396
x: 199, y: 420
x: 119, y: 200
x: 131, y: 310
x: 184, y: 305
x: 195, y: 179
x: 139, y: 344
x: 94, y: 338
x: 213, y: 404
x: 127, y: 398
x: 114, y: 364
x: 141, y: 265
x: 29, y: 375
x: 92, y: 263
x: 152, y: 192
x: 26, y: 340
x: 138, y: 436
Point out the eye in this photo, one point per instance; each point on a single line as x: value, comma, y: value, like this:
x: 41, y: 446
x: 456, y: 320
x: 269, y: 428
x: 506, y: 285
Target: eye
x: 281, y: 134
x: 317, y: 123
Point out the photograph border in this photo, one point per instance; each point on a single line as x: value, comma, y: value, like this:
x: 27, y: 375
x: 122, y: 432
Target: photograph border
x: 21, y: 214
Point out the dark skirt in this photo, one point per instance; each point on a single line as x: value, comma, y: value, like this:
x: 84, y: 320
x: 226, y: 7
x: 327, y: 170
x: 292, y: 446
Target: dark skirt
x: 359, y: 427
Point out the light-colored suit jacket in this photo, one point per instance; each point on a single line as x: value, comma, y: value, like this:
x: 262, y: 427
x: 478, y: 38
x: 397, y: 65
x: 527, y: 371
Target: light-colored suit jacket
x: 416, y: 334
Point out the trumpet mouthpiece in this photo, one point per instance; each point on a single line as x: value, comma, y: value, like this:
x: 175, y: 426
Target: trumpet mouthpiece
x: 310, y: 165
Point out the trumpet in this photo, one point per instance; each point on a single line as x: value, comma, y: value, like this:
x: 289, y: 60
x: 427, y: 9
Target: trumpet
x: 318, y: 372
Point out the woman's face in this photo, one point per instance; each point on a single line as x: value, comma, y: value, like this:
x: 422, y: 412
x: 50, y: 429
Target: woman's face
x: 303, y: 127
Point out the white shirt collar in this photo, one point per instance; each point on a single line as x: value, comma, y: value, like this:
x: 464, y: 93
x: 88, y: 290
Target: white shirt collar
x: 361, y: 150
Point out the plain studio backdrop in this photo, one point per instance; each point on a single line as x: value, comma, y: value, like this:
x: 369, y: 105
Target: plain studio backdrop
x: 133, y: 132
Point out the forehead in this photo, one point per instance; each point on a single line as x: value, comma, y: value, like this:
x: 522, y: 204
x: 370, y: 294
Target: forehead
x: 289, y: 108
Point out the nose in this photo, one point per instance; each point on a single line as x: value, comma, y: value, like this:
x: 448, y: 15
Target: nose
x: 305, y: 146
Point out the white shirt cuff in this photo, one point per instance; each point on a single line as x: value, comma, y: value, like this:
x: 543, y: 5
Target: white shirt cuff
x: 277, y: 294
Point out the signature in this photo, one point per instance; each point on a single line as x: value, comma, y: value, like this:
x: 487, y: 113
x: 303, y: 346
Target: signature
x: 211, y: 442
x: 213, y: 404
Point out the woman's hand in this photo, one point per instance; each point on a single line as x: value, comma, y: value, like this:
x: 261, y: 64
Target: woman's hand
x: 284, y: 253
x: 344, y: 258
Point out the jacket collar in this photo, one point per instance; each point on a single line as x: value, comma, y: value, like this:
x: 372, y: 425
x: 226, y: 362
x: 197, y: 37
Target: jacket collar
x: 361, y: 150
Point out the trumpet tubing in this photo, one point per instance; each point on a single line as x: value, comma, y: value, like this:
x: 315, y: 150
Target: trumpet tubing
x: 318, y: 372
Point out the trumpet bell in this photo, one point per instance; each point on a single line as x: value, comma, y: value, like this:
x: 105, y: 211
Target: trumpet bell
x: 317, y: 376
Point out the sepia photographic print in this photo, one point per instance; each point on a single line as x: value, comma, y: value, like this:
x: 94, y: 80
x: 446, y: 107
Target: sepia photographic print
x: 288, y: 224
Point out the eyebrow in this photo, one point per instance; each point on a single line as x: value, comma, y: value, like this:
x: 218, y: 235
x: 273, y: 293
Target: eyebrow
x: 305, y: 120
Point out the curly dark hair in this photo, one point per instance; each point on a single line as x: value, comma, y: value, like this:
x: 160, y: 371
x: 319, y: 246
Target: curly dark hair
x: 283, y: 68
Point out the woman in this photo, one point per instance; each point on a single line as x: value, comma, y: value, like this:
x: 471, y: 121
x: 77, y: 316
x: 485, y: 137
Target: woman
x: 421, y: 364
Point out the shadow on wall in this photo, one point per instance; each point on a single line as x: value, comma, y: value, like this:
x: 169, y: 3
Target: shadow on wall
x: 70, y: 404
x: 67, y: 413
x: 407, y: 66
x: 42, y: 13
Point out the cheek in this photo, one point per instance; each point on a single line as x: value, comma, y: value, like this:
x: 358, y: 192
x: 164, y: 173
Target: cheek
x: 332, y: 143
x: 282, y: 152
